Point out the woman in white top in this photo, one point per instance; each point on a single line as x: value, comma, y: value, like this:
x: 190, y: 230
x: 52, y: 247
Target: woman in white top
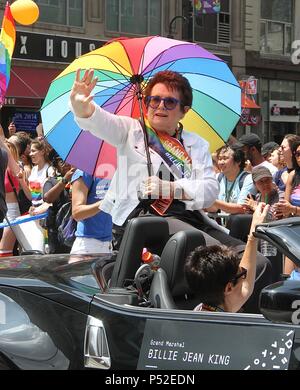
x: 39, y: 153
x: 235, y: 182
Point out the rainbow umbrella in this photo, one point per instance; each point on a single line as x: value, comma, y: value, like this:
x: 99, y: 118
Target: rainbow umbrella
x: 123, y: 68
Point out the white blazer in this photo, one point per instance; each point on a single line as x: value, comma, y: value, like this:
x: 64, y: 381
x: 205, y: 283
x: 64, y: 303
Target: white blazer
x: 126, y: 135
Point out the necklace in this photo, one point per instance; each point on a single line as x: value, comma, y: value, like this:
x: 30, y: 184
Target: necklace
x: 228, y: 192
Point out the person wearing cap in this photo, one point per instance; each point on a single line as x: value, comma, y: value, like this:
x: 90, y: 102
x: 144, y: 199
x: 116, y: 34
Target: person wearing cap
x: 252, y: 147
x: 267, y: 150
x: 266, y: 191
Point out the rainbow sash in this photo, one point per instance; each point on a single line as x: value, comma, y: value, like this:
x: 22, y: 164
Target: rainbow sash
x: 172, y: 152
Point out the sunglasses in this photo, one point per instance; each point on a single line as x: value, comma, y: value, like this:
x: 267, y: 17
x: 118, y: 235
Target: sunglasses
x: 297, y: 154
x: 242, y: 274
x: 169, y: 102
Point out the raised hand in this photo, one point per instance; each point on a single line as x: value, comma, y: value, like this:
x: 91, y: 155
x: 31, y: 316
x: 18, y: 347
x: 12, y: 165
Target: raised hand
x: 259, y: 215
x: 80, y: 96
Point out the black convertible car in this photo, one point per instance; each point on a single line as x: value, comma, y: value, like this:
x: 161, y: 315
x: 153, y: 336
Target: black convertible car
x: 107, y: 312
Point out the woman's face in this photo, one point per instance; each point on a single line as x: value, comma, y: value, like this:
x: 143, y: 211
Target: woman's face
x: 37, y: 156
x: 285, y: 150
x: 226, y: 162
x: 264, y: 185
x: 161, y: 119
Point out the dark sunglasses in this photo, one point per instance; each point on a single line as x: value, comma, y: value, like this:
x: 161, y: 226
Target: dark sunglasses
x: 242, y: 274
x: 169, y: 102
x: 297, y: 154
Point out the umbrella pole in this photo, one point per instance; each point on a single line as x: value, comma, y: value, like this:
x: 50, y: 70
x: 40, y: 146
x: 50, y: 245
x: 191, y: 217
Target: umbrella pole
x: 139, y: 98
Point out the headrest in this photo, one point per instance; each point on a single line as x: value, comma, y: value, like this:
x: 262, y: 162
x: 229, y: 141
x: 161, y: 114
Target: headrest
x: 173, y: 258
x: 148, y: 231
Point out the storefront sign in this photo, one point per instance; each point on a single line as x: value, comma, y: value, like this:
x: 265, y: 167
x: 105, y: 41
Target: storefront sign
x: 22, y: 102
x: 52, y: 48
x: 284, y: 111
x: 196, y: 346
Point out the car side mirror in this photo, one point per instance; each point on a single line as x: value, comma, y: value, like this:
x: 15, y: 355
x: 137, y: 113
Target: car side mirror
x: 280, y: 302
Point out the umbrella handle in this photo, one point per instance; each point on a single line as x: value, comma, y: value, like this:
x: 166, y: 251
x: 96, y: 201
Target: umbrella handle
x: 139, y: 98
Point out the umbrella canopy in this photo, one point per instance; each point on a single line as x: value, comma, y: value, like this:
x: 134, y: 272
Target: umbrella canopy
x: 125, y: 64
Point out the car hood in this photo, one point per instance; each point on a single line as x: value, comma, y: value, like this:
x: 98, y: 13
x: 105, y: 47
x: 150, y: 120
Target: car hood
x: 62, y: 278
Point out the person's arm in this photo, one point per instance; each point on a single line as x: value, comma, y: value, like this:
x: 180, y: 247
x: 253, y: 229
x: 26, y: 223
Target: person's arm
x: 39, y: 209
x: 284, y: 208
x: 288, y: 186
x: 231, y: 208
x: 81, y: 210
x: 91, y: 117
x: 249, y: 257
x: 23, y: 184
x: 52, y: 194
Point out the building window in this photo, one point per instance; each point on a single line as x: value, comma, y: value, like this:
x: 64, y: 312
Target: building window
x: 276, y: 26
x: 133, y: 16
x: 207, y: 28
x: 64, y: 12
x: 282, y: 90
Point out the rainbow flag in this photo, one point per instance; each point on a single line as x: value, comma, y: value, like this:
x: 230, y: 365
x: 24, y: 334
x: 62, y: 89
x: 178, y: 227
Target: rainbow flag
x: 207, y: 7
x: 7, y: 45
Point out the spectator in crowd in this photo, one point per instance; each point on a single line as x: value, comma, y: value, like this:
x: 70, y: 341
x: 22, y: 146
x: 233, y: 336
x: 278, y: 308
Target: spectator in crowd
x: 219, y: 278
x: 235, y: 183
x: 14, y: 180
x: 39, y: 153
x: 267, y: 150
x: 56, y: 191
x: 267, y: 192
x: 180, y: 187
x: 251, y: 145
x: 290, y: 205
x: 22, y: 141
x: 281, y: 176
x: 94, y: 227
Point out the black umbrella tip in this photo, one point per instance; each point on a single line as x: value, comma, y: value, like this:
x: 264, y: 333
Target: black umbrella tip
x: 136, y: 78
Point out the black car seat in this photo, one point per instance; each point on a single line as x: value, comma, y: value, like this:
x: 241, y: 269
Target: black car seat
x: 143, y: 232
x: 169, y: 288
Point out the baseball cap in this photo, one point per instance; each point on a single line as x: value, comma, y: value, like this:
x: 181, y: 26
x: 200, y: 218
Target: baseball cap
x: 260, y: 172
x: 269, y: 147
x: 251, y: 139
